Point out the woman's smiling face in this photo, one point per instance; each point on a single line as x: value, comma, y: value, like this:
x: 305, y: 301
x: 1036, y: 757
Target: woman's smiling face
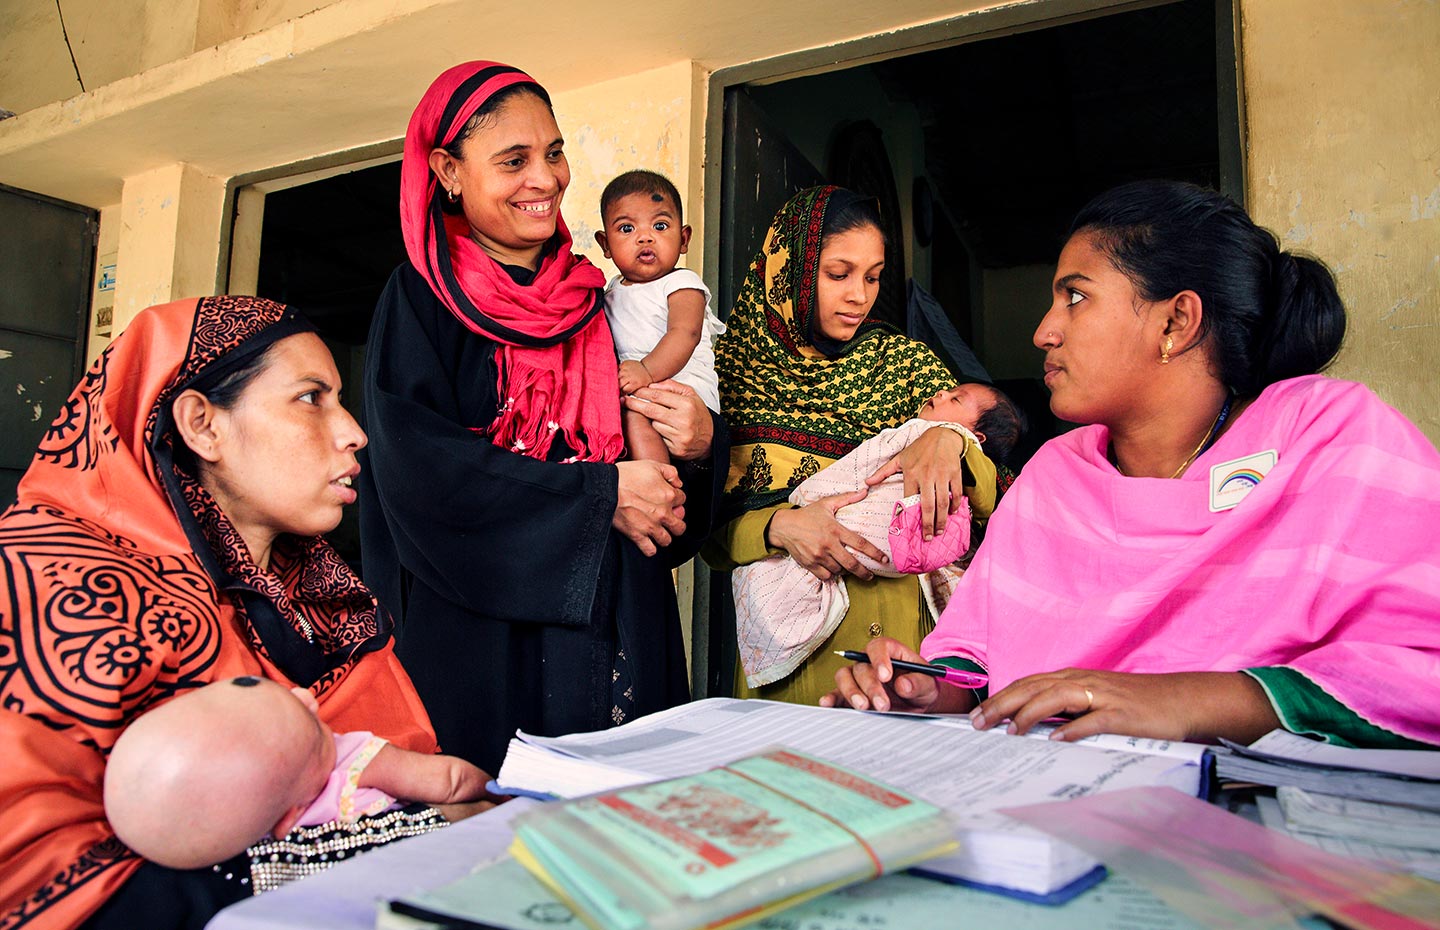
x: 510, y: 179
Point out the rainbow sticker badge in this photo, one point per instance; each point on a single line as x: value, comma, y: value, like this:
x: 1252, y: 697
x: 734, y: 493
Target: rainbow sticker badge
x: 1231, y: 481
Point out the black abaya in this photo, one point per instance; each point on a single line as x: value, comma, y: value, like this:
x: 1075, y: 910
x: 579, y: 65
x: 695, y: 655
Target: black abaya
x: 517, y: 604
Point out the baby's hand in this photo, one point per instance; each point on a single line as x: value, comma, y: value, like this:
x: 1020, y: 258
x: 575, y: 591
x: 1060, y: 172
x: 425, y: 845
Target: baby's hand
x: 634, y: 376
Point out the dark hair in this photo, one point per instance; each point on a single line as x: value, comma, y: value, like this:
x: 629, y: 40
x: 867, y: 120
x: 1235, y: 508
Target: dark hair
x: 1003, y: 425
x: 848, y: 210
x: 488, y: 108
x: 222, y: 386
x: 1268, y: 314
x: 640, y: 181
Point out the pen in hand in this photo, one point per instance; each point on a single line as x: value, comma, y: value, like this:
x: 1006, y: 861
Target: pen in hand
x: 953, y: 676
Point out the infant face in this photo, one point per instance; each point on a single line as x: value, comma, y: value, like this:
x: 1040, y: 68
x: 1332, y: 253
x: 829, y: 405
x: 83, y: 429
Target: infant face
x: 963, y: 404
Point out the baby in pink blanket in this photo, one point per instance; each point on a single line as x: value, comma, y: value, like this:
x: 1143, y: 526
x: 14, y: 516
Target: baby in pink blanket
x: 198, y: 780
x: 783, y: 612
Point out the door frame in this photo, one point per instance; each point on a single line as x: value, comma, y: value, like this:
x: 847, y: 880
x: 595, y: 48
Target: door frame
x: 961, y: 29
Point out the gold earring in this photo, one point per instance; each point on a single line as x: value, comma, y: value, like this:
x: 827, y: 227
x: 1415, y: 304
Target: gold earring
x: 1165, y: 350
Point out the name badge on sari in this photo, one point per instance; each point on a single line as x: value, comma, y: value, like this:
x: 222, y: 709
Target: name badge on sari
x: 1231, y: 481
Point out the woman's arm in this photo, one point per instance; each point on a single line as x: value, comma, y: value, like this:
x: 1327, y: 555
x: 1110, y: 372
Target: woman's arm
x: 821, y: 544
x: 1194, y: 706
x: 933, y: 467
x: 699, y: 442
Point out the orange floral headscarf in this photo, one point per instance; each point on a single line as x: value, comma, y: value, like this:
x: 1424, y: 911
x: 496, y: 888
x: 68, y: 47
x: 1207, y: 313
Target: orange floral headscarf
x: 122, y: 584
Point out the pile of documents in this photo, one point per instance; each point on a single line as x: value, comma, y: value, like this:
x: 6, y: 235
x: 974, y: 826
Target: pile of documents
x: 971, y: 774
x: 725, y: 846
x: 1381, y: 805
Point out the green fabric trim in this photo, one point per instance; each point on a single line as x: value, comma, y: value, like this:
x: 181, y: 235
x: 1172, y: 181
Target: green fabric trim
x: 1306, y: 708
x: 965, y: 665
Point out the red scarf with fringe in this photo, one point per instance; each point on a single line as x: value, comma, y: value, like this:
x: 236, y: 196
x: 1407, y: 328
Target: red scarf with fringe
x: 558, y: 372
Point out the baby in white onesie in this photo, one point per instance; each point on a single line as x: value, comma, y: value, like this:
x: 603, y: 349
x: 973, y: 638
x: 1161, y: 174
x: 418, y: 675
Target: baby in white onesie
x: 660, y: 315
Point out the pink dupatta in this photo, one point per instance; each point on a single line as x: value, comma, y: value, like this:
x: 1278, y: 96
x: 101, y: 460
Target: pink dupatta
x: 1330, y: 566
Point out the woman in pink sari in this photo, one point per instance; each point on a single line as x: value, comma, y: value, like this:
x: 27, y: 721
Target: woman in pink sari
x: 1233, y: 544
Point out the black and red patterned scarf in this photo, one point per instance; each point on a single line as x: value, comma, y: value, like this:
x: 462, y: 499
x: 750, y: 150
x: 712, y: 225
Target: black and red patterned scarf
x: 121, y: 586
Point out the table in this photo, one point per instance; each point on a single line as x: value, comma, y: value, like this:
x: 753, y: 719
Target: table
x: 346, y: 896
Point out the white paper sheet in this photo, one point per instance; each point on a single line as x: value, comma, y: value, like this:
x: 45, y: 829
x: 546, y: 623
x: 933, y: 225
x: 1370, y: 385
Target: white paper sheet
x: 1413, y: 763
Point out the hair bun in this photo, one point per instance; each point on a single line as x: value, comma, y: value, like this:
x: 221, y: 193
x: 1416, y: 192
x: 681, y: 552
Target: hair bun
x: 1307, y: 324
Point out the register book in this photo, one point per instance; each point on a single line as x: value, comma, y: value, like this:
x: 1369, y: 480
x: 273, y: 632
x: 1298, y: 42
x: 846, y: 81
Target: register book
x: 942, y: 760
x: 725, y: 846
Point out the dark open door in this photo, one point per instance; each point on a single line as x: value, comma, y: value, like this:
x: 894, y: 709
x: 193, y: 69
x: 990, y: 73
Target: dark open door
x: 763, y: 168
x: 47, y: 259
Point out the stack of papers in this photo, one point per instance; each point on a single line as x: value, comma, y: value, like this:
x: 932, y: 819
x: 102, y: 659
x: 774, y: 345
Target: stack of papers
x: 725, y: 846
x: 1377, y: 804
x: 941, y: 760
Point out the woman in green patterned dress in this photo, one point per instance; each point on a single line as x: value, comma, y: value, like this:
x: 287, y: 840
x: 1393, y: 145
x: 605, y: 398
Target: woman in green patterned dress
x: 804, y: 378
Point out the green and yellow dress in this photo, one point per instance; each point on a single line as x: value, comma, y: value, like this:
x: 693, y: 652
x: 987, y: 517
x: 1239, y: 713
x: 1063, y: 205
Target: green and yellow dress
x: 794, y: 407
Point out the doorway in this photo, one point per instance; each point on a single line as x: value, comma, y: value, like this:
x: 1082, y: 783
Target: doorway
x: 47, y: 263
x: 327, y: 247
x: 980, y: 146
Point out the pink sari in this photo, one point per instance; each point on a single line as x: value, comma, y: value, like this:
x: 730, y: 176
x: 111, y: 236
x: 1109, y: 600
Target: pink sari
x: 1329, y: 566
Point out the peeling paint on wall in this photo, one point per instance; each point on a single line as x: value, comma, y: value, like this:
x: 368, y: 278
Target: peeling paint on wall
x: 1427, y: 209
x: 1299, y: 231
x: 1401, y: 315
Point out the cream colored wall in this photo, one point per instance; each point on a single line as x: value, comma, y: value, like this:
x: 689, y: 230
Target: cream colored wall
x: 114, y: 39
x: 110, y: 39
x: 640, y: 121
x: 1343, y: 100
x: 221, y: 20
x: 169, y: 238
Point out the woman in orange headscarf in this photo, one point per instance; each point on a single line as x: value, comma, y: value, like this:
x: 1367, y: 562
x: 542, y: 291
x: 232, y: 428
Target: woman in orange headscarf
x: 167, y: 535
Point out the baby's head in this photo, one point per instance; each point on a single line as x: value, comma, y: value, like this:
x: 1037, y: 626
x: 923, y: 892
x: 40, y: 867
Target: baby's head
x: 644, y: 230
x: 985, y: 411
x: 197, y: 780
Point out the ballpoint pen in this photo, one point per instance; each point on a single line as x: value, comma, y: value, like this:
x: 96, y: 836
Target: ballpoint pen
x: 954, y: 676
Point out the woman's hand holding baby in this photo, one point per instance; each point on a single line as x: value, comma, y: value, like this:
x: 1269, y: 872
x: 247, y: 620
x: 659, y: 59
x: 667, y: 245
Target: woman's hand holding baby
x: 468, y: 795
x: 933, y: 468
x: 680, y: 417
x: 818, y: 542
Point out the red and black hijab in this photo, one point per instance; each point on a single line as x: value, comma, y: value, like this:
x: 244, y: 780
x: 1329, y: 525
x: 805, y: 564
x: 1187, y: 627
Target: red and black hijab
x: 558, y: 372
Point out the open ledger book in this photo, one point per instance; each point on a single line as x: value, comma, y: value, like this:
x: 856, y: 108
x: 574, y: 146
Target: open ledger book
x: 942, y: 760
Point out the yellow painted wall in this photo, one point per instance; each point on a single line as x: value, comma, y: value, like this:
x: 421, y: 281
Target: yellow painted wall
x: 640, y: 121
x: 1343, y: 99
x: 110, y: 39
x: 222, y: 20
